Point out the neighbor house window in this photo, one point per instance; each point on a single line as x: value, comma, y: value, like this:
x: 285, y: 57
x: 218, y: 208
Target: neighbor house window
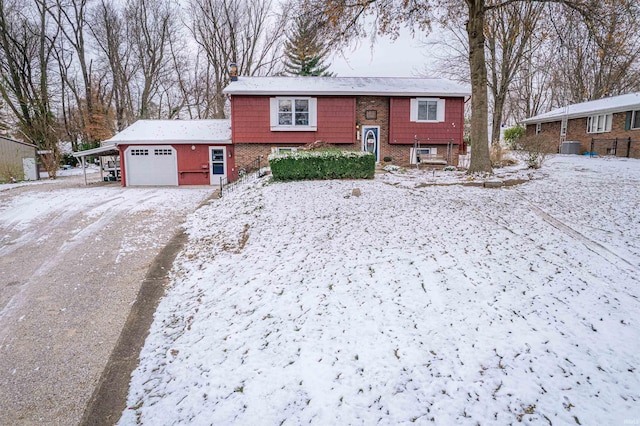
x: 293, y: 114
x: 599, y: 123
x: 635, y: 120
x: 563, y: 127
x: 427, y: 110
x: 538, y: 128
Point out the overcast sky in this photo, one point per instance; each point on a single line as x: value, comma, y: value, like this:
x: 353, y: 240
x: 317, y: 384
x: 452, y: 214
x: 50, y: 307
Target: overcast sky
x: 404, y: 57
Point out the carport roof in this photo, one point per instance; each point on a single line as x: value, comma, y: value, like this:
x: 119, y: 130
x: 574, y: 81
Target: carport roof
x: 104, y: 150
x: 174, y: 132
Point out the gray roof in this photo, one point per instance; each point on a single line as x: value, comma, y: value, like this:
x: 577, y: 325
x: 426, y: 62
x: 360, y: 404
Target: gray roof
x: 622, y: 103
x: 18, y: 142
x: 342, y: 86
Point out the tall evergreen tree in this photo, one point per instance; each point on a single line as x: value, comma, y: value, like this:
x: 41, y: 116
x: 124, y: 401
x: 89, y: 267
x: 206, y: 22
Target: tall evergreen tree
x: 305, y: 51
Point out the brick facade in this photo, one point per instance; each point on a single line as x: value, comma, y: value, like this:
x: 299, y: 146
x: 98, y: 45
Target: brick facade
x: 614, y: 142
x: 248, y: 152
x: 379, y: 106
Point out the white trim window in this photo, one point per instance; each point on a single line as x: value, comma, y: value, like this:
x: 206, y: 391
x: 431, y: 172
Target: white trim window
x: 538, y: 128
x: 599, y: 123
x: 293, y: 114
x: 283, y: 149
x: 563, y: 127
x: 422, y: 154
x: 427, y: 110
x: 635, y: 120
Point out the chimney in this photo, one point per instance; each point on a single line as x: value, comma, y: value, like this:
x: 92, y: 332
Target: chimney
x: 233, y: 71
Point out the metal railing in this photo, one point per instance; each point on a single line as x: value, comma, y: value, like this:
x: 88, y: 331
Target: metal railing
x: 618, y: 147
x: 419, y: 143
x: 242, y: 174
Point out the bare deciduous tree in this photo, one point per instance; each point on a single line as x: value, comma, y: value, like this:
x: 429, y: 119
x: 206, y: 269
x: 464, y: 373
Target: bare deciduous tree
x: 150, y: 26
x: 596, y: 59
x: 245, y: 32
x: 508, y: 33
x: 109, y: 30
x: 27, y: 42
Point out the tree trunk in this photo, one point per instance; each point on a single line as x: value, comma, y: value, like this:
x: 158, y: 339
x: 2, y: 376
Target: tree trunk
x: 496, y: 121
x: 480, y: 160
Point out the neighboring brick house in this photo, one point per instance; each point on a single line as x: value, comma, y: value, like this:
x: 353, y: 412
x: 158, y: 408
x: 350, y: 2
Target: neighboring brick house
x: 608, y: 126
x: 397, y: 118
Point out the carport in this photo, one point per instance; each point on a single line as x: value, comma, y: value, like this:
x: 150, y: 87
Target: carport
x: 101, y: 151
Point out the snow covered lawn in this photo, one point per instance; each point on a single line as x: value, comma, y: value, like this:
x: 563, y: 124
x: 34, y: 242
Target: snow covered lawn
x: 302, y: 303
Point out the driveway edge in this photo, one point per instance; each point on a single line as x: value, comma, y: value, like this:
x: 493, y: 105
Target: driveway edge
x: 109, y: 399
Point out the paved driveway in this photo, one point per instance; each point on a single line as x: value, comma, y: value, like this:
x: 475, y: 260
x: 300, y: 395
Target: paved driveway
x: 72, y: 259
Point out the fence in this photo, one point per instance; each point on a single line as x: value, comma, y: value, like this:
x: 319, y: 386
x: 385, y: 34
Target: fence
x: 240, y: 175
x: 618, y: 147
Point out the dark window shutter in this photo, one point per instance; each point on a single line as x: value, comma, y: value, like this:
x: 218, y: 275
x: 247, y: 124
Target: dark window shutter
x: 627, y: 121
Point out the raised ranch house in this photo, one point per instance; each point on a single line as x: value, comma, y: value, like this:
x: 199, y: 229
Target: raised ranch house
x: 608, y: 126
x: 406, y: 120
x: 402, y: 119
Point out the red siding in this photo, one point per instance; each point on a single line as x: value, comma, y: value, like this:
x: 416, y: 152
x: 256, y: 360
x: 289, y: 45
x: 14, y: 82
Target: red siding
x: 123, y: 175
x: 250, y: 121
x: 190, y: 161
x: 403, y: 131
x: 192, y: 164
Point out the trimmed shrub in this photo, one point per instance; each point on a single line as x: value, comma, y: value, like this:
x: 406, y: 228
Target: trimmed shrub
x: 324, y: 164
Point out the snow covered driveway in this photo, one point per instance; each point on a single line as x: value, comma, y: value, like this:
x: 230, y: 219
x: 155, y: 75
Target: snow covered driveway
x: 302, y: 303
x: 72, y: 259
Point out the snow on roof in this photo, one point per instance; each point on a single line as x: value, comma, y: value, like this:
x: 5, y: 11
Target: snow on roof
x: 382, y: 86
x: 628, y: 102
x: 104, y: 149
x: 174, y: 131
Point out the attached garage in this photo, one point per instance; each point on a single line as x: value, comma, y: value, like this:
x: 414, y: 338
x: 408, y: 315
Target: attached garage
x: 175, y: 152
x: 153, y: 165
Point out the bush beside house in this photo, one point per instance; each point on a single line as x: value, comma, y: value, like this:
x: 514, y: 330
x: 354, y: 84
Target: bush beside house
x: 324, y: 164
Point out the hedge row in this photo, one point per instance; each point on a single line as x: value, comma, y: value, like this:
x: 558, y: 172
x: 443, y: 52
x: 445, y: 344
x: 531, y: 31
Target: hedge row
x: 324, y: 164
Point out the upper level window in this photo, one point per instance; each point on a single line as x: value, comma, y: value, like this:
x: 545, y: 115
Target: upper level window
x: 427, y: 110
x: 538, y: 128
x: 635, y: 120
x: 293, y: 114
x: 599, y: 123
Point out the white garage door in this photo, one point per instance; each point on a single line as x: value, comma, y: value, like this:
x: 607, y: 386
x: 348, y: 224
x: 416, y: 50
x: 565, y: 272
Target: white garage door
x: 151, y: 165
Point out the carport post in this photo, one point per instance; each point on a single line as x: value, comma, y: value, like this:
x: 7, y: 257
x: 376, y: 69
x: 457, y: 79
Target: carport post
x: 84, y: 170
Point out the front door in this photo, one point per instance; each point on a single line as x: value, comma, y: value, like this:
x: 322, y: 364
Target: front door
x: 371, y: 140
x: 217, y: 163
